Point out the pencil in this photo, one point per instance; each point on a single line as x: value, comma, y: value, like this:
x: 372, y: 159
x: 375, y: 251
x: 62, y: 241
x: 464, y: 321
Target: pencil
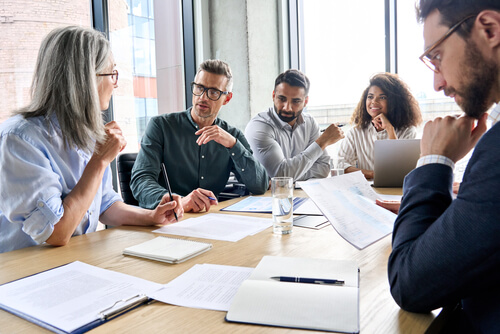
x: 165, y: 176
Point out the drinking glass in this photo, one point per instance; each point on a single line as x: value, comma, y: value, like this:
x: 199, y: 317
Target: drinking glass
x: 282, y: 192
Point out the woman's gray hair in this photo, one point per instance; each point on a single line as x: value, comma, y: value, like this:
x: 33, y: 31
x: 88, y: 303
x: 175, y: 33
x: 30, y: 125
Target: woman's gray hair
x: 65, y: 84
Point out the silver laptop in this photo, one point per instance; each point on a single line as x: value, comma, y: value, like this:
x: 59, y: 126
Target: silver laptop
x: 393, y: 160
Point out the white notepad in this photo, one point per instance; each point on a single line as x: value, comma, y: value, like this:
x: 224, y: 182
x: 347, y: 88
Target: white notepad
x: 263, y: 301
x: 168, y: 250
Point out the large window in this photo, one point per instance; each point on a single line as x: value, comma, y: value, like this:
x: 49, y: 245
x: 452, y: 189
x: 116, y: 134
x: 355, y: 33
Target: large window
x: 148, y: 54
x: 341, y: 52
x: 343, y: 47
x: 413, y: 71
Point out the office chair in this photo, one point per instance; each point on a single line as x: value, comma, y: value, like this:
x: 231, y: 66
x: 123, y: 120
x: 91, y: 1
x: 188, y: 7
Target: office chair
x: 124, y: 164
x: 233, y: 189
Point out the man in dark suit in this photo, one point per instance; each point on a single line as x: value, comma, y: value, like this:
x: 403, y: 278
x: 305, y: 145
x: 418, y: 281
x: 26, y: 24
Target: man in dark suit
x: 445, y: 251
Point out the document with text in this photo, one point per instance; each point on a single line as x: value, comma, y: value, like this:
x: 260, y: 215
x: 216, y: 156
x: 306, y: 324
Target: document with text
x: 348, y: 201
x: 74, y: 297
x: 206, y: 286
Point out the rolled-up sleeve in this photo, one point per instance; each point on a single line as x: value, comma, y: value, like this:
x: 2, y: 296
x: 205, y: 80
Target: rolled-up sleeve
x: 109, y: 195
x: 31, y: 192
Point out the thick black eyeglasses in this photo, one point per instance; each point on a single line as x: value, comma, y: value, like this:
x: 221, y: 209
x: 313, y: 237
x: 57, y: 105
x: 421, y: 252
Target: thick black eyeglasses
x: 433, y: 62
x: 114, y: 76
x: 212, y: 93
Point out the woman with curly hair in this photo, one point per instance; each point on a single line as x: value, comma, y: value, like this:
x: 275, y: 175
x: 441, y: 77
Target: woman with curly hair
x: 386, y: 110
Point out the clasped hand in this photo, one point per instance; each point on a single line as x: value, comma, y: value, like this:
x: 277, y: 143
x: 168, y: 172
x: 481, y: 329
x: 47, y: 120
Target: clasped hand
x: 215, y: 133
x: 452, y: 137
x: 381, y: 122
x: 114, y: 142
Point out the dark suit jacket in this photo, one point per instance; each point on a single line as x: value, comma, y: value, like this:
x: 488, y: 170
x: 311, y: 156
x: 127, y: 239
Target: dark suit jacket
x: 446, y: 251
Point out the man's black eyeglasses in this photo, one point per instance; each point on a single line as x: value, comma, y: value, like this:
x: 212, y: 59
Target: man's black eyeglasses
x: 212, y: 93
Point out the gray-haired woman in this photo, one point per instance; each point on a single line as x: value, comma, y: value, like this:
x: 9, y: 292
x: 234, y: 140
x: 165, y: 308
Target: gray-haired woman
x: 55, y: 180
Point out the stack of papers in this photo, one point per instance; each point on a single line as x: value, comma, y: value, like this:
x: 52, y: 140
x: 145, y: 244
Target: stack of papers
x: 218, y: 227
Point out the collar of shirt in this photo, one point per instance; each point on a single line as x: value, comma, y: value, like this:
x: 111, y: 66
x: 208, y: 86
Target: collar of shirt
x: 495, y: 115
x: 191, y: 120
x: 285, y: 125
x: 55, y: 129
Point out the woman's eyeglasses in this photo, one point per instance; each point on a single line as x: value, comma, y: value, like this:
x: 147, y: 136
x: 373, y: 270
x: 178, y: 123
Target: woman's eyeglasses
x: 114, y: 76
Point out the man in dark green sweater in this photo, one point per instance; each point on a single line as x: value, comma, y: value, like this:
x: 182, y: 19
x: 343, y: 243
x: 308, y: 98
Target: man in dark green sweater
x: 199, y: 150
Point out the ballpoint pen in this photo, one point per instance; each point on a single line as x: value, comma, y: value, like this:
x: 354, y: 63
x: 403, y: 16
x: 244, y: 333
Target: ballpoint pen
x: 338, y: 125
x: 165, y: 176
x: 212, y: 198
x: 308, y: 280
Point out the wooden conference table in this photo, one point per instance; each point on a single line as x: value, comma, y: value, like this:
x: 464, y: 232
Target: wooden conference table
x: 378, y: 311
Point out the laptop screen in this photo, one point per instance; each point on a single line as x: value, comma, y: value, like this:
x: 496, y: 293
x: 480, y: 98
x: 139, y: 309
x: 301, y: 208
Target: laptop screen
x: 393, y: 160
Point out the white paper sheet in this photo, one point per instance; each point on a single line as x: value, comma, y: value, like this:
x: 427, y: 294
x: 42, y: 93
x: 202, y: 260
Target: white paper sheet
x: 206, y: 286
x: 218, y: 227
x: 308, y: 207
x: 348, y: 201
x: 71, y: 296
x: 390, y: 197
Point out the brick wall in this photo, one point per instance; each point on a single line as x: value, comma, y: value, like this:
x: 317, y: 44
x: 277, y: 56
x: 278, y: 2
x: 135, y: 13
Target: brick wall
x: 23, y: 25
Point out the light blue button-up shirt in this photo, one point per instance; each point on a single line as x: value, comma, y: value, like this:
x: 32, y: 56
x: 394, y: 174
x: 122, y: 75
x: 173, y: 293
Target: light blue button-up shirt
x: 36, y: 172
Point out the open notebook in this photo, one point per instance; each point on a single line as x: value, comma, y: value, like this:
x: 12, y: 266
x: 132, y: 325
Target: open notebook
x: 168, y: 250
x: 264, y: 301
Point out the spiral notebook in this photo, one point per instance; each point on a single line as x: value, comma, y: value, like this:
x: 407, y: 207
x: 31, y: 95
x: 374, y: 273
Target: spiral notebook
x: 170, y: 250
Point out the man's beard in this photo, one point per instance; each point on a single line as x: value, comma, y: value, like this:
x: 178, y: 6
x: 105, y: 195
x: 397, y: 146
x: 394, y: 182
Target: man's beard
x: 203, y: 116
x: 480, y: 76
x: 287, y: 119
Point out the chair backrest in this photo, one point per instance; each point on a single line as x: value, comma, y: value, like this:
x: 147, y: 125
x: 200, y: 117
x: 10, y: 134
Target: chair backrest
x: 233, y: 189
x: 124, y: 164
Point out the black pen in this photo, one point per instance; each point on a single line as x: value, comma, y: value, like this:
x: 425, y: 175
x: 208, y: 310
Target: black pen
x: 308, y: 280
x: 338, y: 125
x: 165, y: 176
